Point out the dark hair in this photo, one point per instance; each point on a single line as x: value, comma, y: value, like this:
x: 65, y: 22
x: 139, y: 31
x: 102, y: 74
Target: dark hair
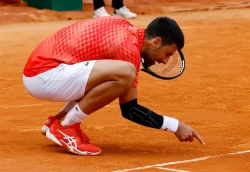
x: 167, y: 29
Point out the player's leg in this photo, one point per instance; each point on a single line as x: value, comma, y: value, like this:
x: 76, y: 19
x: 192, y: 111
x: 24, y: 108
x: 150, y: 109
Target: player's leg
x: 112, y: 74
x: 60, y: 115
x: 97, y: 94
x: 92, y: 81
x: 67, y: 107
x: 107, y: 81
x: 117, y: 4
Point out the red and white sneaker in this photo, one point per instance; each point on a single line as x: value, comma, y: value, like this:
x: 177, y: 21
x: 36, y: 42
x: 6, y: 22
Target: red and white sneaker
x: 72, y: 138
x: 47, y: 125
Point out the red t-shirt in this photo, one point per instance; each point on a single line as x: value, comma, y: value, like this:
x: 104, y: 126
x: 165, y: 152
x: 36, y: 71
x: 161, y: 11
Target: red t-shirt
x: 95, y: 39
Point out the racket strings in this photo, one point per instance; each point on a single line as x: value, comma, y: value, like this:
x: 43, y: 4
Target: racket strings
x: 172, y: 68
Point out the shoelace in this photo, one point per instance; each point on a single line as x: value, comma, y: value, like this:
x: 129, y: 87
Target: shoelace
x: 84, y: 138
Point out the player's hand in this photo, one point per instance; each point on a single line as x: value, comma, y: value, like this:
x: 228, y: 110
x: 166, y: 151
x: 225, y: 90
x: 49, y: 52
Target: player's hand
x: 187, y: 134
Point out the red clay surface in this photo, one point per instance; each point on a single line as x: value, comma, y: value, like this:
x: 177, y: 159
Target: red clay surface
x: 212, y: 96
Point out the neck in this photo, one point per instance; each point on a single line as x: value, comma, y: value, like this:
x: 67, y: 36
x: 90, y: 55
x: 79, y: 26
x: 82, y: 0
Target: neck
x: 145, y: 45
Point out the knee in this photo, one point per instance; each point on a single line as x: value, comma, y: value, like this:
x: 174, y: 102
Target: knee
x: 127, y: 74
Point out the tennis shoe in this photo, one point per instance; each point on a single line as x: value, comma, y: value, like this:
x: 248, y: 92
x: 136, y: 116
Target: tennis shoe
x: 72, y: 138
x: 124, y: 12
x: 47, y: 125
x: 100, y: 12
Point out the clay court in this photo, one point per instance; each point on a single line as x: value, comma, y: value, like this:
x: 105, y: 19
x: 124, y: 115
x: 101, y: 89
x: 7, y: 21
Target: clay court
x: 212, y: 96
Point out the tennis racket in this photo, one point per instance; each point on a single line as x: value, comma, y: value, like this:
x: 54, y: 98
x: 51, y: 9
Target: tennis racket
x: 171, y: 70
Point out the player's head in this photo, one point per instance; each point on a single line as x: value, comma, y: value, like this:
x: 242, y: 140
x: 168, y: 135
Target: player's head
x: 163, y: 37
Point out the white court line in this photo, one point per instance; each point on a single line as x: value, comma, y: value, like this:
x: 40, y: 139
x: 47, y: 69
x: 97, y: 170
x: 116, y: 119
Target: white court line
x: 31, y: 129
x: 183, y: 161
x: 18, y: 106
x: 170, y: 169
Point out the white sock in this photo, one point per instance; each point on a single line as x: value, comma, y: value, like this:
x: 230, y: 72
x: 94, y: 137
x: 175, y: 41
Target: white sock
x: 74, y: 116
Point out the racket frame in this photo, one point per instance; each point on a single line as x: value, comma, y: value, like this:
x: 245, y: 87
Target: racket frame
x: 147, y: 70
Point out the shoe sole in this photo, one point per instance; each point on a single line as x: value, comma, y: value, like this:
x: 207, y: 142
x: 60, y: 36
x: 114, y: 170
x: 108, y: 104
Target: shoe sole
x: 117, y: 15
x: 44, y: 129
x: 51, y: 137
x: 84, y: 153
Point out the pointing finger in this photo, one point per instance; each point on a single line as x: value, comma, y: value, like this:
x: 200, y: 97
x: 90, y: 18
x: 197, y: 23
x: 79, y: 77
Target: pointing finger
x: 198, y: 137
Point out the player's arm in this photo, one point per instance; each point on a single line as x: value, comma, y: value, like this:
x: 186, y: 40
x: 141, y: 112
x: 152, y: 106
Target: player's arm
x: 139, y: 114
